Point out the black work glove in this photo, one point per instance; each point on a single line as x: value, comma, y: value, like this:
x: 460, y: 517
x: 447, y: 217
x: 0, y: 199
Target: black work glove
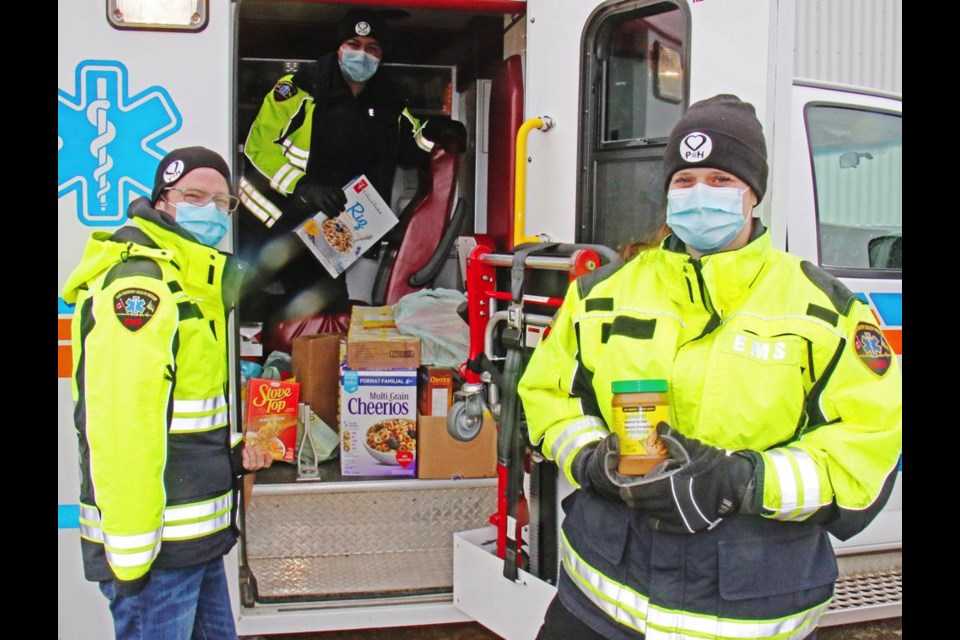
x: 449, y: 134
x: 596, y: 466
x: 131, y: 587
x: 588, y: 466
x: 327, y: 198
x: 709, y: 484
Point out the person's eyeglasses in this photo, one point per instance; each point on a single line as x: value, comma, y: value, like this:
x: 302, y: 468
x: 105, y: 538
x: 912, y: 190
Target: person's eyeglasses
x: 199, y: 197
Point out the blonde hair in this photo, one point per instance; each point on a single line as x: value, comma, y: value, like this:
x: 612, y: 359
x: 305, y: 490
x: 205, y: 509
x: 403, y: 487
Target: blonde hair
x: 635, y: 246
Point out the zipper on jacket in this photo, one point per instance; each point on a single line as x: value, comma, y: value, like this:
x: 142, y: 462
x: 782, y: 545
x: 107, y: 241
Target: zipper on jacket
x: 714, y: 321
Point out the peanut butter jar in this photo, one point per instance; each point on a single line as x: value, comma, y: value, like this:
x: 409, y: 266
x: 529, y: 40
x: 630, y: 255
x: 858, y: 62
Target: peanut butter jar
x: 638, y: 406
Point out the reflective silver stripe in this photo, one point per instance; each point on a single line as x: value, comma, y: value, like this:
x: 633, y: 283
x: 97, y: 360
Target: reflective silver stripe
x: 785, y: 477
x: 202, y: 423
x: 284, y: 176
x: 197, y: 511
x: 811, y: 482
x: 199, y: 406
x: 91, y: 531
x: 132, y: 559
x: 209, y: 517
x: 90, y: 523
x: 298, y: 157
x: 267, y: 212
x: 628, y: 607
x: 799, y: 484
x: 89, y: 513
x: 575, y: 436
x: 291, y: 177
x: 196, y: 529
x: 136, y: 541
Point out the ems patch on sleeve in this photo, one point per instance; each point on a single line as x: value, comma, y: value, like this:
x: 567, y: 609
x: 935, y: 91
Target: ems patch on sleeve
x: 872, y: 348
x: 284, y: 91
x: 135, y: 307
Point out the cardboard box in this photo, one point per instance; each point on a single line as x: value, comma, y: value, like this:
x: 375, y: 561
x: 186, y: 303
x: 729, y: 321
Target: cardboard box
x: 434, y: 390
x: 440, y: 456
x: 316, y: 365
x: 338, y: 242
x: 374, y: 343
x: 270, y: 420
x: 378, y: 423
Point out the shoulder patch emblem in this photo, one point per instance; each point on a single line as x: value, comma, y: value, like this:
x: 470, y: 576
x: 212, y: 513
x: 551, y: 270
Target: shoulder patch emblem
x: 135, y: 308
x: 284, y: 90
x: 872, y: 348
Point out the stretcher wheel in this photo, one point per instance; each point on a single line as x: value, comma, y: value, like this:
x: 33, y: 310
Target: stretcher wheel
x: 461, y: 426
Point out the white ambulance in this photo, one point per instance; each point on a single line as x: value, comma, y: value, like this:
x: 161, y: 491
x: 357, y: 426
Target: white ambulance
x: 599, y: 86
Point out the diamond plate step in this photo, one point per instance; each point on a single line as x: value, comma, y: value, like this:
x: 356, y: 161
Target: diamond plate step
x: 360, y: 539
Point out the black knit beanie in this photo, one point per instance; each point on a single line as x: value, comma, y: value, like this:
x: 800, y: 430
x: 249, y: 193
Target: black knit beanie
x: 721, y: 132
x: 363, y: 22
x: 180, y: 162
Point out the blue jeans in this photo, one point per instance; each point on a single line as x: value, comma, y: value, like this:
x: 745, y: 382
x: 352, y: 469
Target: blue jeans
x: 176, y: 604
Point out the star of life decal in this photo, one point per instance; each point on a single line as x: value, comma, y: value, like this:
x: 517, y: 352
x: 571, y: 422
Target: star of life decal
x: 108, y: 140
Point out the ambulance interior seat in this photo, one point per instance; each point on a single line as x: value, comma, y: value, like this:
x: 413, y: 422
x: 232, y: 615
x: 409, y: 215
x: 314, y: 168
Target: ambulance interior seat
x: 416, y: 249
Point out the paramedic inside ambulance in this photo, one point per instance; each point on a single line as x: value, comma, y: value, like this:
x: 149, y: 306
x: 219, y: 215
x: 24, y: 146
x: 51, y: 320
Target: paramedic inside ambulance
x: 781, y: 419
x: 316, y: 130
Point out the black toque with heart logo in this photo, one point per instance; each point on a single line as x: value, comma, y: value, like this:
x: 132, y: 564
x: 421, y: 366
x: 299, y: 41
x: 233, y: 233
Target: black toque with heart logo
x: 721, y: 132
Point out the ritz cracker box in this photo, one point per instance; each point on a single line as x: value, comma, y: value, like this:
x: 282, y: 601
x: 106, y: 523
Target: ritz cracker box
x: 338, y: 242
x: 270, y: 420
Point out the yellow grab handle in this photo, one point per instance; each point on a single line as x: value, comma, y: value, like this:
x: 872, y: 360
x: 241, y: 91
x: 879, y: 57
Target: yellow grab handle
x: 543, y: 123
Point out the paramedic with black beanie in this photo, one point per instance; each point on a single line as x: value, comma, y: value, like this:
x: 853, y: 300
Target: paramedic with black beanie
x: 784, y: 415
x: 316, y: 130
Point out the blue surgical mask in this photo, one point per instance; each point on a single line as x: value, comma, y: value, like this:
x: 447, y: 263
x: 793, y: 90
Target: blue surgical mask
x: 359, y: 66
x: 207, y: 223
x: 706, y: 218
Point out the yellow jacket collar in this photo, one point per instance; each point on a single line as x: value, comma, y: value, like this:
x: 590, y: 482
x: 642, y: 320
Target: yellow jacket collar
x: 727, y: 277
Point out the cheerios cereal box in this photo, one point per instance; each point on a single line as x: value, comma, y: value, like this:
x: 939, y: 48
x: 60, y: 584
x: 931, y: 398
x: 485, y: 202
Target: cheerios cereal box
x: 339, y: 241
x: 270, y: 419
x: 378, y: 423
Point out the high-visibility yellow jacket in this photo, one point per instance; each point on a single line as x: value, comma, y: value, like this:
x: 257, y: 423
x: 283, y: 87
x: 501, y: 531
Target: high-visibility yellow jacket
x: 762, y: 352
x: 150, y: 391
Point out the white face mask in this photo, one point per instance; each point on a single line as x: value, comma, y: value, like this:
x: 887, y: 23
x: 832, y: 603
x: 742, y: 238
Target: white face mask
x: 706, y: 218
x: 359, y: 66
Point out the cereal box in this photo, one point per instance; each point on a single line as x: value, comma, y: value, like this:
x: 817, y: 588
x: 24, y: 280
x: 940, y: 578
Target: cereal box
x: 378, y: 423
x: 270, y: 421
x: 338, y: 242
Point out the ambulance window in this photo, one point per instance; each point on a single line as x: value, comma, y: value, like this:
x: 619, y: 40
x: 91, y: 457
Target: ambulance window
x: 633, y: 92
x: 857, y: 159
x: 642, y: 77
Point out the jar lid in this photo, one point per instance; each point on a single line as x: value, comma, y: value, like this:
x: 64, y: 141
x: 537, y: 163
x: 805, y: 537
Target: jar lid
x: 640, y: 386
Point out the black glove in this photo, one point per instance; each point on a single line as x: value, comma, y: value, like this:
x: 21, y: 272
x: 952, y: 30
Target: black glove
x: 449, y: 134
x: 588, y: 466
x: 596, y: 466
x: 329, y: 199
x: 709, y: 484
x: 131, y: 587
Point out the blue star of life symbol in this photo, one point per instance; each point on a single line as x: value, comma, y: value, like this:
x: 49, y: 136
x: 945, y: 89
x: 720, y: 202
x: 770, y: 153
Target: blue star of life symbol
x: 871, y: 344
x: 107, y: 140
x: 135, y: 306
